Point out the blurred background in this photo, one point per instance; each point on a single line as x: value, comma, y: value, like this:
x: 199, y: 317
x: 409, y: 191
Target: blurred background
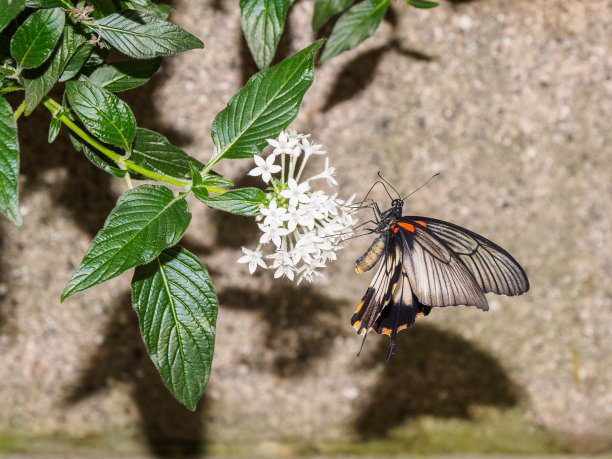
x: 510, y: 101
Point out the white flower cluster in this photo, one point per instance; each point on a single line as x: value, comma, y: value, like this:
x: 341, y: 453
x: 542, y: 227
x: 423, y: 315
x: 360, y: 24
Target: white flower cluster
x: 304, y: 227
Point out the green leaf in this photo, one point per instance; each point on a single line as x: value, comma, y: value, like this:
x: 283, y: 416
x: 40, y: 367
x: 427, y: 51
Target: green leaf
x: 38, y: 82
x: 103, y: 113
x: 162, y: 11
x: 215, y: 180
x: 103, y: 8
x: 97, y: 57
x: 8, y: 86
x: 9, y: 9
x: 9, y: 164
x: 33, y: 42
x: 98, y: 159
x: 262, y: 24
x: 424, y: 4
x: 264, y: 107
x: 177, y: 311
x: 354, y: 26
x: 48, y: 4
x: 199, y: 183
x: 152, y: 151
x: 325, y: 9
x: 144, y: 36
x: 76, y: 141
x: 76, y: 62
x: 145, y: 221
x: 54, y: 128
x: 121, y: 76
x: 242, y: 201
x: 101, y: 161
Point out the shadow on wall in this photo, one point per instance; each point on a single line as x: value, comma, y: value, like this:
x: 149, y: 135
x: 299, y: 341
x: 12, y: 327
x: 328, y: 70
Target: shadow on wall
x: 7, y: 305
x: 235, y: 231
x: 300, y: 324
x: 169, y: 428
x: 358, y: 73
x: 432, y: 372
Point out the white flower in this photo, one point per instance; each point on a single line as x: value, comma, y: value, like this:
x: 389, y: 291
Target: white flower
x: 254, y: 258
x: 292, y: 217
x: 265, y: 167
x: 306, y: 247
x: 285, y: 270
x: 293, y: 135
x: 307, y: 273
x: 280, y: 257
x: 285, y: 144
x: 305, y: 227
x: 272, y: 233
x: 327, y: 174
x: 307, y: 214
x: 311, y: 149
x: 296, y: 193
x: 273, y: 214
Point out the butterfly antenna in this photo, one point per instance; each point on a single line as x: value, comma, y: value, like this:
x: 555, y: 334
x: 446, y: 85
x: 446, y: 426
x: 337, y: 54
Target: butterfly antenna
x: 392, y: 187
x: 436, y: 175
x: 368, y: 194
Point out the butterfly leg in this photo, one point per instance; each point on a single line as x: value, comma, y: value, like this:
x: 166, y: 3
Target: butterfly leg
x: 391, y: 351
x: 365, y: 335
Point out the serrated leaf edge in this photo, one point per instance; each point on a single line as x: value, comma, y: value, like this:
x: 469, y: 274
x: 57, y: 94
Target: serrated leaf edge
x: 69, y: 292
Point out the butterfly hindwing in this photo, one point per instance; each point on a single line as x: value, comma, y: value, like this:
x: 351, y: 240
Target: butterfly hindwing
x: 402, y: 310
x: 381, y: 289
x: 400, y: 313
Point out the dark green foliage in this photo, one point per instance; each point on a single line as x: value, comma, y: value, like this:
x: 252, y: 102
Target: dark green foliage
x: 46, y: 43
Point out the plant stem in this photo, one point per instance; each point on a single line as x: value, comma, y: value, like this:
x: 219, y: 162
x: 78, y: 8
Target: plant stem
x: 19, y: 110
x: 56, y: 110
x: 215, y: 190
x: 128, y: 181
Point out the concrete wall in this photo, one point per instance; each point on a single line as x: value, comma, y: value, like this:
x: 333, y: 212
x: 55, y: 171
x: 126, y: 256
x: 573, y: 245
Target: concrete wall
x: 510, y: 101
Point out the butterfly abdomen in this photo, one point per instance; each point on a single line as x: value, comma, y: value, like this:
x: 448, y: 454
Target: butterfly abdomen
x: 371, y: 256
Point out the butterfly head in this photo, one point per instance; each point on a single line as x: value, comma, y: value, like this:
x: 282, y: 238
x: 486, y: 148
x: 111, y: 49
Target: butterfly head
x: 397, y: 205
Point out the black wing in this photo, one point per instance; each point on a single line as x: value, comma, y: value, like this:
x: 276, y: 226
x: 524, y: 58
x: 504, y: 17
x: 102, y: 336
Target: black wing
x: 381, y: 289
x: 401, y: 312
x: 493, y: 268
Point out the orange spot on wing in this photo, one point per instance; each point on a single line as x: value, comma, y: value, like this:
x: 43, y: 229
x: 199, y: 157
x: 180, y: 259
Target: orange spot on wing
x: 421, y: 223
x: 407, y: 226
x: 394, y: 228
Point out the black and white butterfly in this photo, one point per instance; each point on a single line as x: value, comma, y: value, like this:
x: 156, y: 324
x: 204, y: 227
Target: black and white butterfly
x: 427, y: 263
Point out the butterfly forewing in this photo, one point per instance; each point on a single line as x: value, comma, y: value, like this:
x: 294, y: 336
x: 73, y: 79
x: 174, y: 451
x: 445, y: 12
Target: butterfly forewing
x: 493, y: 268
x: 437, y: 276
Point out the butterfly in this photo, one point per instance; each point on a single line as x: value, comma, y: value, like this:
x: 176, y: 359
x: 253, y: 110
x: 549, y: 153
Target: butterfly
x: 427, y: 263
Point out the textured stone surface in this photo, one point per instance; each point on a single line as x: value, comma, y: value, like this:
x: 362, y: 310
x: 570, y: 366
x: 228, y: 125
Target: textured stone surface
x: 510, y: 101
